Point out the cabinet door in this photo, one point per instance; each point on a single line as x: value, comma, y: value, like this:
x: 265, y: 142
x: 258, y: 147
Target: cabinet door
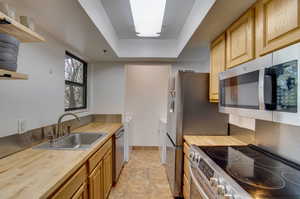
x: 217, y: 65
x: 72, y: 185
x: 96, y: 188
x: 186, y: 188
x: 277, y: 24
x: 82, y: 192
x: 107, y: 168
x: 240, y: 40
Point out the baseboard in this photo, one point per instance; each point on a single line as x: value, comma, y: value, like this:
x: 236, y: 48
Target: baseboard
x: 144, y: 148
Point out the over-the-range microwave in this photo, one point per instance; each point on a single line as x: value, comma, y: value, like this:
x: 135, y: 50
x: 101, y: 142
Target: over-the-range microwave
x: 266, y: 88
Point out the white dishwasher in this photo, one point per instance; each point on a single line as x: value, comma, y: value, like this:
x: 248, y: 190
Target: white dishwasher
x: 119, y: 153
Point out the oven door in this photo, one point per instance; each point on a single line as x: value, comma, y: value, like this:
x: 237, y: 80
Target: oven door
x: 198, y: 190
x: 242, y: 89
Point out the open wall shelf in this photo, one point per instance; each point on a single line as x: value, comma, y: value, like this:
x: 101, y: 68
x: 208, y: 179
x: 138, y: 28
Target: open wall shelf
x: 9, y: 75
x: 16, y: 29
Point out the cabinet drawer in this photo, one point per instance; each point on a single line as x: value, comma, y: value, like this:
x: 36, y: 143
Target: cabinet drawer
x: 186, y: 188
x: 96, y: 158
x: 72, y: 185
x: 186, y: 148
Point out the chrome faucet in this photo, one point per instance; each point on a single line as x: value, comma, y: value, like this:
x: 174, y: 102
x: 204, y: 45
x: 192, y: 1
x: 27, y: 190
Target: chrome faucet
x: 59, y: 125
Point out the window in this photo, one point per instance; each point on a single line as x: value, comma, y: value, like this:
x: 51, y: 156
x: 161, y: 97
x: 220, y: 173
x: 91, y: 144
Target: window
x: 75, y: 83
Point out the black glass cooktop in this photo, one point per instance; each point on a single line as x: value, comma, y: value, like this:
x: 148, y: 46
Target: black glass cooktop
x: 261, y: 174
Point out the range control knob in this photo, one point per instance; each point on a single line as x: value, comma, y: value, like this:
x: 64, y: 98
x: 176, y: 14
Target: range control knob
x: 214, y: 182
x: 197, y: 158
x: 221, y: 190
x: 192, y: 155
x: 228, y: 196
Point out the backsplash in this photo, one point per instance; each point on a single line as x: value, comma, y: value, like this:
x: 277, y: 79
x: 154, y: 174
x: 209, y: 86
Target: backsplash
x: 242, y: 134
x: 243, y: 122
x: 277, y: 138
x: 18, y: 142
x: 281, y: 139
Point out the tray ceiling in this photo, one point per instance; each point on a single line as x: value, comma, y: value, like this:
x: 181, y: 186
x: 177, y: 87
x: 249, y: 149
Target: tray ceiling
x: 119, y: 13
x: 114, y: 21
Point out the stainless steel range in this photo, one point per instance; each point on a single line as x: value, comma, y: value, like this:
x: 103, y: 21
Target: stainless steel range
x: 241, y: 172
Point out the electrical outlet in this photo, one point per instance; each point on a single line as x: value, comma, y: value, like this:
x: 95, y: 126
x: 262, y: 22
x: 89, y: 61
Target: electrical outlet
x: 21, y: 126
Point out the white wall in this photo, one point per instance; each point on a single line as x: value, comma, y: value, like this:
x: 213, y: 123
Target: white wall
x: 146, y: 101
x: 39, y: 100
x: 193, y: 58
x: 108, y: 88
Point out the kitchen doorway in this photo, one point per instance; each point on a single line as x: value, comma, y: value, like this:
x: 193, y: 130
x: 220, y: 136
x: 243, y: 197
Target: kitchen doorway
x: 146, y: 102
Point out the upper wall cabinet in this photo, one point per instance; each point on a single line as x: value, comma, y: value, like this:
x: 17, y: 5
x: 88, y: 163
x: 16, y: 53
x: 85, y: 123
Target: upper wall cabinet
x: 218, y: 63
x: 240, y: 40
x: 277, y: 24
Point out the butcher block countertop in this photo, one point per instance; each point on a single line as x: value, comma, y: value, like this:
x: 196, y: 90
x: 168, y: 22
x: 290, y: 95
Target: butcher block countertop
x: 213, y: 141
x: 37, y: 173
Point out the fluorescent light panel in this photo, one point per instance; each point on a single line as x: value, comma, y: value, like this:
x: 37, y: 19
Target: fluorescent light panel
x: 148, y: 16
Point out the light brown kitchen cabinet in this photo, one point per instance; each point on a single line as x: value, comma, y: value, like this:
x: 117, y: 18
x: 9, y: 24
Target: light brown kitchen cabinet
x: 93, y: 180
x: 107, y: 168
x: 96, y: 187
x: 277, y: 24
x: 82, y: 193
x: 240, y: 40
x: 73, y: 185
x: 186, y: 188
x: 186, y: 173
x: 218, y: 63
x: 100, y: 168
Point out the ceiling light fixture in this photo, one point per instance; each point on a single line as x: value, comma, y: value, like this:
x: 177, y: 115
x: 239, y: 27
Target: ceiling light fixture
x: 148, y: 16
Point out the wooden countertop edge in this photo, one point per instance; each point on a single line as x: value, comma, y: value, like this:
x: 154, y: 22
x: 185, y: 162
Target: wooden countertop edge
x: 233, y: 141
x: 95, y: 148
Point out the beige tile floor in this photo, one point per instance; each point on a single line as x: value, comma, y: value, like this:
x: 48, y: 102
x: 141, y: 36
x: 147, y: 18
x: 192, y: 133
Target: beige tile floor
x: 142, y: 178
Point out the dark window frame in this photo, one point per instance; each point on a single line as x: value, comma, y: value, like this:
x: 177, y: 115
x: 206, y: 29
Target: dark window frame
x: 83, y: 85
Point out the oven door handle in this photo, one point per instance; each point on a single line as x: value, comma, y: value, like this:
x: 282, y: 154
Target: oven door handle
x: 195, y: 181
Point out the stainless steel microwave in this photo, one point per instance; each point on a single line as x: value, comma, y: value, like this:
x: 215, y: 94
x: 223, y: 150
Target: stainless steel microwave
x: 265, y: 88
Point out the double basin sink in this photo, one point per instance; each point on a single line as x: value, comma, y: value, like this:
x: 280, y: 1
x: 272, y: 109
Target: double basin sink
x: 74, y: 141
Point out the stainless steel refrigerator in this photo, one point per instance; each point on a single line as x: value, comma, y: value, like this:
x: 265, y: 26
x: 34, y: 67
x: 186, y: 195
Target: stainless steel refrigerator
x: 189, y: 113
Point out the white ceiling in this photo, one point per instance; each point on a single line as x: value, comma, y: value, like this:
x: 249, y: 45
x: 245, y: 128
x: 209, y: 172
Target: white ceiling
x: 221, y: 15
x: 66, y: 21
x: 70, y: 24
x: 164, y: 48
x: 120, y: 16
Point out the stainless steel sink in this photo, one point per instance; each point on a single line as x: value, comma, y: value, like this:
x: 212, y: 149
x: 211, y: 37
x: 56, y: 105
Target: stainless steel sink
x: 74, y: 141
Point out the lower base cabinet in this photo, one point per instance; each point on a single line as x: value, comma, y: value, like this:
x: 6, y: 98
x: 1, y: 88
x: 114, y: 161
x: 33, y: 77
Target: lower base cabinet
x: 100, y: 180
x: 96, y: 187
x: 186, y: 173
x: 93, y: 180
x: 186, y: 188
x: 107, y: 168
x: 82, y: 192
x: 73, y: 185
